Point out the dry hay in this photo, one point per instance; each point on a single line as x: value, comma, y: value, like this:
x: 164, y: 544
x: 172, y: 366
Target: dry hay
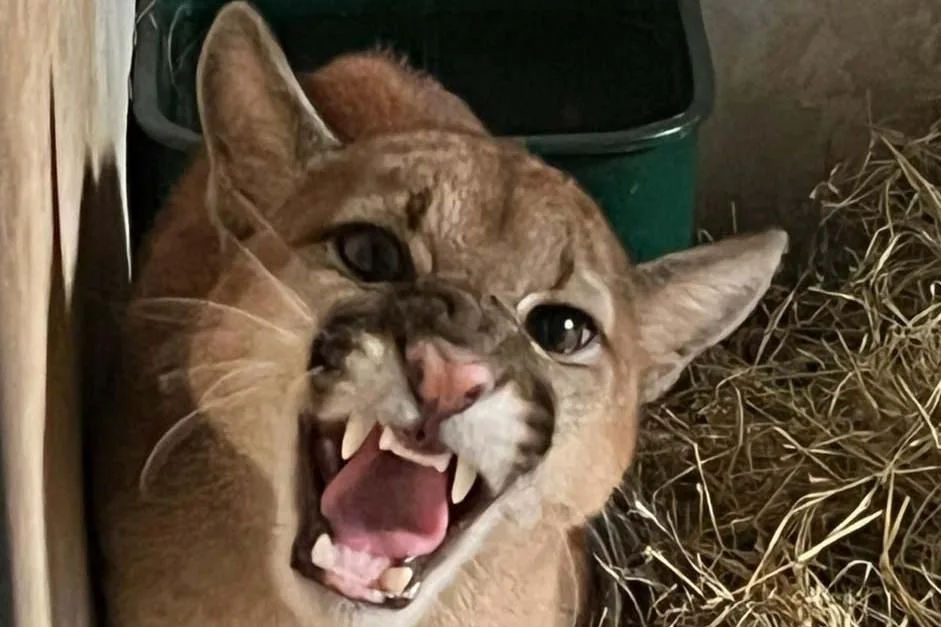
x: 795, y: 479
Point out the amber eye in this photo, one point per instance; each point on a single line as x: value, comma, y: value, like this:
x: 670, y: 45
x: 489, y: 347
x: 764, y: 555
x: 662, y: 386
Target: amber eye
x: 372, y: 253
x: 561, y: 329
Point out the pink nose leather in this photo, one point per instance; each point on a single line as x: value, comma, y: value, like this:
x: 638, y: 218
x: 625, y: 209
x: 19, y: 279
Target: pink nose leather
x: 446, y: 379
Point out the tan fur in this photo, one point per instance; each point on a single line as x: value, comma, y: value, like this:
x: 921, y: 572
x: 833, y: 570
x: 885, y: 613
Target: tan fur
x: 399, y: 99
x: 234, y: 285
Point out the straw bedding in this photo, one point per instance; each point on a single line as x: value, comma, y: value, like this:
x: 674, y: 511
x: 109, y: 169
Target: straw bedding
x: 794, y: 478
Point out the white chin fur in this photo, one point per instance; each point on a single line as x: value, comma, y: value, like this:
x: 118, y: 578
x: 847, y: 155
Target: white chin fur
x: 489, y: 434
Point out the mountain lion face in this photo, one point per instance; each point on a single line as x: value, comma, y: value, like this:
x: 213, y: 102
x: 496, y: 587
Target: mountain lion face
x: 380, y: 366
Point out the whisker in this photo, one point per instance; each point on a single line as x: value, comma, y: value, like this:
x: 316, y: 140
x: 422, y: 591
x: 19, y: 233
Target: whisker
x: 183, y: 371
x: 305, y: 375
x: 253, y: 213
x: 154, y: 317
x: 175, y: 436
x: 289, y: 294
x: 183, y: 427
x: 507, y: 310
x: 181, y: 300
x: 573, y: 572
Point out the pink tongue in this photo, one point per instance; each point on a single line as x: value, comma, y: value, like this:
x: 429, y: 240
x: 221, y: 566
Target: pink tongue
x: 386, y: 506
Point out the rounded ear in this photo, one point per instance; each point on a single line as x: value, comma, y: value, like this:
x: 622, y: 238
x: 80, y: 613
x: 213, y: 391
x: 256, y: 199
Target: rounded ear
x: 367, y: 94
x: 691, y: 300
x: 259, y: 128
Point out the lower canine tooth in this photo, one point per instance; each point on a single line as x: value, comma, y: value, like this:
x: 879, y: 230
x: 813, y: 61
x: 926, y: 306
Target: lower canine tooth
x: 395, y: 580
x: 323, y: 554
x: 357, y: 428
x: 464, y: 477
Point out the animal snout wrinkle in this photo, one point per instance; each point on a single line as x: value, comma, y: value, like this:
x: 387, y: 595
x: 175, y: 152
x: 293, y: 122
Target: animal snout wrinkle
x: 446, y: 381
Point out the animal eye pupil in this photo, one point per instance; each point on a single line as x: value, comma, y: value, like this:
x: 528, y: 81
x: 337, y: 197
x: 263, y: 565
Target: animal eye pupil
x: 560, y: 329
x: 372, y: 253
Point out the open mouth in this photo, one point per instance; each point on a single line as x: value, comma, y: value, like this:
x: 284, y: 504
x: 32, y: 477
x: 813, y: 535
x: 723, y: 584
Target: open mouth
x: 378, y: 515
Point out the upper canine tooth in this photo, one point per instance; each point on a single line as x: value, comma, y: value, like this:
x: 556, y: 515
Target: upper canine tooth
x: 464, y: 477
x: 323, y: 554
x: 395, y: 580
x: 357, y: 428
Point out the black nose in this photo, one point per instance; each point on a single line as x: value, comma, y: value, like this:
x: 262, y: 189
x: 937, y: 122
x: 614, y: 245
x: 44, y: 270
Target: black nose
x: 436, y: 308
x: 425, y: 307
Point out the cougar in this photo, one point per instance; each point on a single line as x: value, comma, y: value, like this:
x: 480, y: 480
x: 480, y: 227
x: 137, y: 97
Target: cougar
x: 380, y: 367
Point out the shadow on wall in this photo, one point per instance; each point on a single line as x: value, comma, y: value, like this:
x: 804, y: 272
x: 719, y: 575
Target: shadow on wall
x: 81, y: 352
x: 794, y: 83
x: 6, y: 583
x: 102, y: 289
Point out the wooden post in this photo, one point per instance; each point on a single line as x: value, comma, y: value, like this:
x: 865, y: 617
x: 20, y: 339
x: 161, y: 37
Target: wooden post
x: 63, y: 272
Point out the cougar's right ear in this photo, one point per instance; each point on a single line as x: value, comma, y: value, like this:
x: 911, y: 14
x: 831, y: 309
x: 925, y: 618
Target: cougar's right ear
x: 259, y: 128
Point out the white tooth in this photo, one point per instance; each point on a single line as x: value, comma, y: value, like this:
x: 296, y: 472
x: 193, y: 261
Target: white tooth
x: 357, y: 428
x: 324, y: 553
x: 464, y: 477
x: 440, y: 462
x: 395, y: 580
x: 411, y: 591
x: 387, y: 440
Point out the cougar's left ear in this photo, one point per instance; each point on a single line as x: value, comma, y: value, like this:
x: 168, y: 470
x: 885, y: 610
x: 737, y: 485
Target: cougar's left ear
x: 691, y: 300
x: 258, y: 126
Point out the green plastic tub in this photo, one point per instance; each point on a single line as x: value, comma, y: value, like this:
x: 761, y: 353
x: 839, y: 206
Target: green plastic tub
x: 612, y: 91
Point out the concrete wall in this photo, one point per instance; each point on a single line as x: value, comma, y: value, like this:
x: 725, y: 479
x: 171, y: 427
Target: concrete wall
x: 793, y: 81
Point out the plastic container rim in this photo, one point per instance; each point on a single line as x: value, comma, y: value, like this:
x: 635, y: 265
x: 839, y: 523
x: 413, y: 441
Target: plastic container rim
x: 152, y: 120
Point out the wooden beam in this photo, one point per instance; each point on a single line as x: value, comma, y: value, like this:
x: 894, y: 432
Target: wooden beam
x: 63, y: 272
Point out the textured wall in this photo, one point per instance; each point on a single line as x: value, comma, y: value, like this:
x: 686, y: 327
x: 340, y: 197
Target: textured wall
x: 793, y: 81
